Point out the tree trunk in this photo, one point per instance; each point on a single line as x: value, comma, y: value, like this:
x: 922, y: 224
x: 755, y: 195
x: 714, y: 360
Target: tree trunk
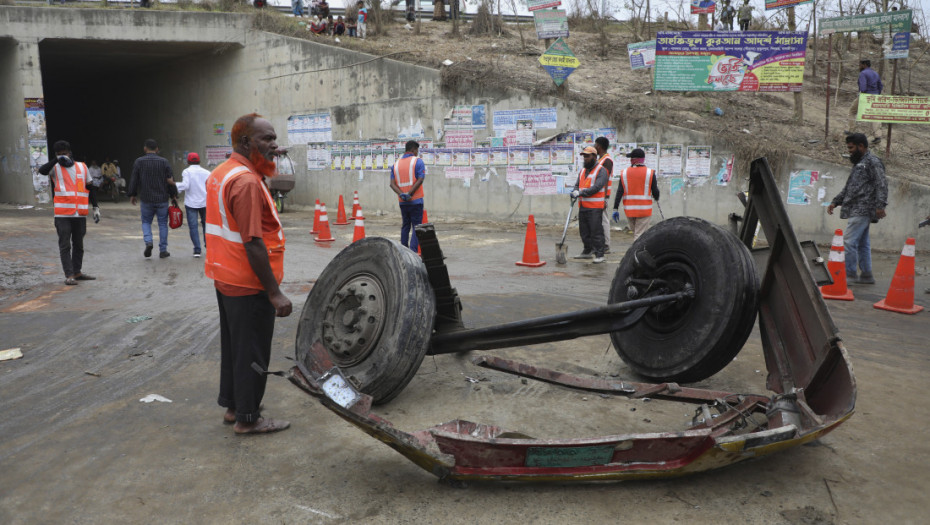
x: 798, y: 95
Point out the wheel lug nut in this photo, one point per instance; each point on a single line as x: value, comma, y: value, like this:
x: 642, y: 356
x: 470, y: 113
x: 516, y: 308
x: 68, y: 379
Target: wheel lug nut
x: 352, y: 289
x: 340, y: 295
x: 328, y: 339
x: 348, y: 342
x: 362, y: 310
x: 336, y: 346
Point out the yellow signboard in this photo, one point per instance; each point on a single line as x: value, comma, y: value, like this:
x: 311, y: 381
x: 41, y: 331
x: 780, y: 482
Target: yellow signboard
x: 891, y: 108
x: 559, y: 61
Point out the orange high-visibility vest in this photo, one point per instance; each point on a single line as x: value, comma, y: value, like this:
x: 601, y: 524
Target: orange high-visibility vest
x: 637, y: 191
x: 405, y: 174
x: 600, y: 164
x: 71, y: 196
x: 586, y: 180
x: 226, y: 259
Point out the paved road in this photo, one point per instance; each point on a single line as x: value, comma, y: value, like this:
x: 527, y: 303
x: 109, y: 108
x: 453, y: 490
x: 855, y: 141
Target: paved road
x: 77, y: 445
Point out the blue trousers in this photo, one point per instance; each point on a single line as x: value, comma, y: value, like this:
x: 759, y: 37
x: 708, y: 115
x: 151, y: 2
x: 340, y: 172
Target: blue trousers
x: 857, y: 247
x: 411, y: 214
x: 149, y: 211
x: 192, y: 215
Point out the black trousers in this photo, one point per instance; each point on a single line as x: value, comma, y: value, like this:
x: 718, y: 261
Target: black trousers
x: 71, y: 232
x: 591, y: 228
x: 246, y: 329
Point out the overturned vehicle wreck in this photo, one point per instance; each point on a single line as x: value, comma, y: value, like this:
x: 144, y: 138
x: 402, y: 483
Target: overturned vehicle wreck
x: 681, y: 305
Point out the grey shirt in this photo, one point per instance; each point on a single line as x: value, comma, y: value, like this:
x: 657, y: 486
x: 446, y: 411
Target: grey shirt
x: 866, y: 189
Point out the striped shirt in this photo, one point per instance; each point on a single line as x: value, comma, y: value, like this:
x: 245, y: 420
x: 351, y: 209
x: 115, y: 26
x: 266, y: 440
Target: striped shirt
x: 149, y: 179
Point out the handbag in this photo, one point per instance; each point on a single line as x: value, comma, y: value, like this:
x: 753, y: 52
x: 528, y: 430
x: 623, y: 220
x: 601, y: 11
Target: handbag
x: 175, y: 217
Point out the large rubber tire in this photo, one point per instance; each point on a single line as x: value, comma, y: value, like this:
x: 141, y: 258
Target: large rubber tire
x: 693, y: 339
x: 373, y: 309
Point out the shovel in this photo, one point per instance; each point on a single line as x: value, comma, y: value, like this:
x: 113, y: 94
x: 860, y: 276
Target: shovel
x: 560, y: 247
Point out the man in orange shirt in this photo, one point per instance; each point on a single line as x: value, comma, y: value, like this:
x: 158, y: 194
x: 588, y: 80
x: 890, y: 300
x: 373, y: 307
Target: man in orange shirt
x: 246, y: 262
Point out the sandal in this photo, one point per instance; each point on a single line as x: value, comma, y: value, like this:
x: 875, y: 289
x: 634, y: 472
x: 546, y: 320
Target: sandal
x: 71, y: 281
x: 263, y: 426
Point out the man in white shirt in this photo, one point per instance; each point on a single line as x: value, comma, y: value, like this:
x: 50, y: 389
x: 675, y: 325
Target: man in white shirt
x: 194, y: 184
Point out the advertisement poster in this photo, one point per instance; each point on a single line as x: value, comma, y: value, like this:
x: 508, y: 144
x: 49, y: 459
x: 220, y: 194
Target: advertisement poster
x: 730, y: 61
x: 377, y: 159
x: 896, y: 25
x: 562, y: 154
x: 428, y: 156
x: 538, y: 182
x: 479, y: 156
x: 676, y: 185
x: 38, y: 155
x: 697, y: 163
x: 219, y: 129
x: 652, y: 154
x: 390, y: 157
x: 317, y: 127
x: 619, y: 150
x: 318, y: 157
x: 799, y: 184
x: 701, y: 7
x: 533, y: 5
x: 540, y: 156
x: 461, y: 157
x: 443, y: 157
x: 35, y: 118
x: 642, y: 54
x: 514, y: 176
x: 459, y: 138
x: 893, y: 108
x: 497, y: 157
x: 460, y: 173
x: 216, y: 155
x: 778, y: 4
x: 543, y: 118
x: 519, y: 156
x: 468, y: 117
x: 551, y: 23
x: 726, y: 171
x: 670, y: 160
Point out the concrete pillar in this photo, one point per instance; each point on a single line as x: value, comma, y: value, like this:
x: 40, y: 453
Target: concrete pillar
x: 21, y: 79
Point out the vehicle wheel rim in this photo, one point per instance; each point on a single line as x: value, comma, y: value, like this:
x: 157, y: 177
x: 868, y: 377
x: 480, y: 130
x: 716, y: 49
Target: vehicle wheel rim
x: 670, y: 317
x: 354, y: 319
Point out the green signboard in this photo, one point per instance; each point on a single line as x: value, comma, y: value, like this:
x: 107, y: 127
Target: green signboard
x: 898, y: 21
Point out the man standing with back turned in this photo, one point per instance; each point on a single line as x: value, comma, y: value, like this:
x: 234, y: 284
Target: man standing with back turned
x: 637, y: 190
x: 152, y: 183
x: 194, y: 180
x: 863, y: 199
x: 407, y: 176
x: 246, y: 263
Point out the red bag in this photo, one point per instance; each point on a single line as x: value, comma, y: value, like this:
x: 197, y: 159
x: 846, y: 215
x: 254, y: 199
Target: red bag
x: 175, y: 217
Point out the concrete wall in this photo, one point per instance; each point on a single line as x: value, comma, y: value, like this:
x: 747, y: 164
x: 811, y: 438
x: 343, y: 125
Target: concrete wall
x: 375, y: 99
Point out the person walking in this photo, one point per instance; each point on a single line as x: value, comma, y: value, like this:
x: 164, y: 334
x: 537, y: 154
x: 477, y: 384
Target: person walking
x: 297, y: 8
x: 407, y: 176
x: 194, y: 184
x: 70, y: 196
x: 863, y: 199
x: 603, y: 159
x: 745, y: 16
x: 152, y: 184
x: 246, y: 263
x: 362, y: 20
x: 869, y: 83
x: 637, y: 190
x: 590, y: 190
x: 727, y: 14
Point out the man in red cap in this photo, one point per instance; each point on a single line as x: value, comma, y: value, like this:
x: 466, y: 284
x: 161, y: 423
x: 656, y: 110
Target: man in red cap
x: 194, y: 186
x: 637, y: 191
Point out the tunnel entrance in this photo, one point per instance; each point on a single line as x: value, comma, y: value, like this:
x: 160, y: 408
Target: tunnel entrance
x: 106, y: 97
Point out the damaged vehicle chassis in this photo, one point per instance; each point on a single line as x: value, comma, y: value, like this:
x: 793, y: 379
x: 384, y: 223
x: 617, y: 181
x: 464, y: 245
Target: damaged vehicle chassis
x: 354, y: 350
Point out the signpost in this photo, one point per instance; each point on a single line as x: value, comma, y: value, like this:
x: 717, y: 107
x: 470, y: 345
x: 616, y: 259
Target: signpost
x: 551, y: 23
x: 534, y: 5
x: 559, y: 61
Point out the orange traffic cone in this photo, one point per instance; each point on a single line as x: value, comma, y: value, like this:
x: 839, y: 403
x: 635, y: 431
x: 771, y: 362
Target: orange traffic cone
x: 341, y: 214
x: 316, y: 218
x: 900, y: 296
x: 836, y: 265
x: 359, y: 226
x: 325, y: 235
x: 530, y: 249
x: 356, y: 206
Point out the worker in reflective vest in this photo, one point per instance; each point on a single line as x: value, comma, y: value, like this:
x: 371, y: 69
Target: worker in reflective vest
x: 245, y: 259
x: 590, y: 190
x: 72, y: 201
x: 637, y: 190
x: 407, y: 176
x: 601, y: 144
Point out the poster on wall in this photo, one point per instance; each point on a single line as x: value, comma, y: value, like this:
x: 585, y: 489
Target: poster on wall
x: 461, y: 157
x: 540, y: 156
x: 726, y: 170
x: 315, y: 127
x: 697, y: 163
x: 38, y: 155
x: 216, y: 155
x: 519, y: 156
x: 35, y: 118
x: 539, y: 182
x: 642, y: 54
x: 652, y: 154
x: 730, y: 61
x: 670, y: 160
x: 318, y: 157
x: 480, y: 156
x: 463, y: 138
x: 460, y: 172
x: 467, y: 117
x: 497, y: 157
x: 799, y: 184
x: 543, y: 118
x: 562, y: 154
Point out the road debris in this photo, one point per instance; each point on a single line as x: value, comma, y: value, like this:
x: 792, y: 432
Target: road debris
x: 10, y: 354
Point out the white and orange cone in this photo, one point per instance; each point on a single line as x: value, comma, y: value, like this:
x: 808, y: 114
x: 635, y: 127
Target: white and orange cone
x: 325, y: 235
x: 359, y: 226
x: 356, y: 206
x: 900, y: 296
x: 316, y: 218
x: 836, y: 265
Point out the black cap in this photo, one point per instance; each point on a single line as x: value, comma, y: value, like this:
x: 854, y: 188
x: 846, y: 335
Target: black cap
x: 637, y: 153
